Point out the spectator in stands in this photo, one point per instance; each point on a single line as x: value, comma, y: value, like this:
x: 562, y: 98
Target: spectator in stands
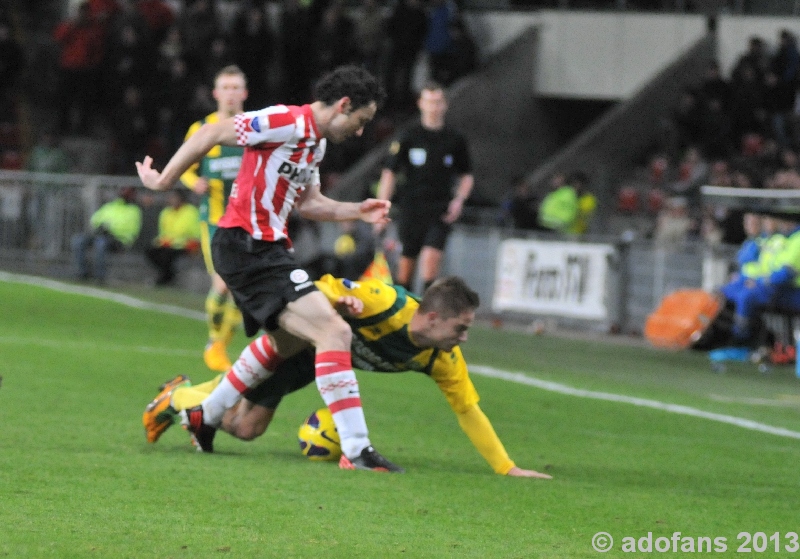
x: 171, y: 47
x: 756, y: 58
x: 44, y: 208
x: 296, y: 49
x: 406, y: 28
x: 12, y: 61
x: 692, y: 173
x: 130, y: 55
x: 370, y: 30
x: 781, y: 86
x: 747, y: 104
x: 438, y: 40
x: 178, y: 235
x: 158, y: 16
x: 716, y: 129
x: 721, y: 224
x: 173, y: 101
x: 114, y: 227
x: 47, y: 155
x: 132, y: 130
x: 686, y: 119
x: 714, y: 86
x: 82, y: 48
x: 569, y: 208
x: 788, y: 173
x: 220, y: 55
x: 674, y: 225
x: 463, y: 51
x: 522, y: 207
x: 198, y: 24
x: 334, y: 43
x: 253, y: 45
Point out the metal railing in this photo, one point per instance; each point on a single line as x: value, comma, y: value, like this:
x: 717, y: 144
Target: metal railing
x: 39, y: 214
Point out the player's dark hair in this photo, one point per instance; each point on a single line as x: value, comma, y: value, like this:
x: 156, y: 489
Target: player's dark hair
x: 449, y: 296
x: 349, y: 81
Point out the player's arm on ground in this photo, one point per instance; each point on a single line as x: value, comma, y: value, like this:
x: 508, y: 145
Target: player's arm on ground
x: 316, y: 206
x: 222, y: 132
x: 450, y: 373
x: 190, y: 177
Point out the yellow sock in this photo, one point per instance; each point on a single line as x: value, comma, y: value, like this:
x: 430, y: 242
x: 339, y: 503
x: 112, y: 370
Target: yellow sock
x: 186, y: 397
x: 231, y: 320
x: 215, y: 313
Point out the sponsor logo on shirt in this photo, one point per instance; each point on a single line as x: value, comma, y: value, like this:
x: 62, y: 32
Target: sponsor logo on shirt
x: 295, y: 174
x: 255, y: 125
x: 298, y: 276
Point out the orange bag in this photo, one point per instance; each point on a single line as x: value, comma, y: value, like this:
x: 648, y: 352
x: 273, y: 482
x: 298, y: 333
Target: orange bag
x: 682, y: 318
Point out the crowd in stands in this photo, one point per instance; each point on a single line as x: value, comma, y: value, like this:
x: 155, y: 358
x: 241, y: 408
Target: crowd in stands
x: 742, y: 131
x: 139, y: 72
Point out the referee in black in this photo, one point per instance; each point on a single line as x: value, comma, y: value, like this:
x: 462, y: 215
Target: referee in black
x: 435, y: 162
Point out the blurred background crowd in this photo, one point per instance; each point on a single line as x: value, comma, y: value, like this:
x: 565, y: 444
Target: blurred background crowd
x: 130, y: 76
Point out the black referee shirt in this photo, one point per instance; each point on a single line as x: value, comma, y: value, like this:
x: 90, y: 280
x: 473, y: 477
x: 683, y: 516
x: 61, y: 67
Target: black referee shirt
x: 431, y: 161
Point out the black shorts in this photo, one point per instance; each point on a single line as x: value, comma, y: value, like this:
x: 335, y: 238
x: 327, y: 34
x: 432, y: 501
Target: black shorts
x: 417, y: 229
x: 293, y: 374
x: 263, y: 276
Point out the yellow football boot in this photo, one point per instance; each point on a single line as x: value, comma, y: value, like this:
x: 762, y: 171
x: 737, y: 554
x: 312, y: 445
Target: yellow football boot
x: 216, y: 357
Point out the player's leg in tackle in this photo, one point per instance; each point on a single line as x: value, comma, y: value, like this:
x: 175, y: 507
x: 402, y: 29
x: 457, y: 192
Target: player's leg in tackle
x: 159, y: 413
x: 257, y: 362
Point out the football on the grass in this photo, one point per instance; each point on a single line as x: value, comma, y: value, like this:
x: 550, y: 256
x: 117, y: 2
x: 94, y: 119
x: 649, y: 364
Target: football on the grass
x: 318, y: 437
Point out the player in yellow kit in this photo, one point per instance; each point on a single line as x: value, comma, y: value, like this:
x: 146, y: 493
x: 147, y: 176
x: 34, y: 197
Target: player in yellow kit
x: 393, y: 331
x: 212, y: 177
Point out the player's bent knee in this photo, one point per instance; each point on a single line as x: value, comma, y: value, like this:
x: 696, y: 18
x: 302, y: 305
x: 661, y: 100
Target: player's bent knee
x: 339, y: 329
x: 254, y: 424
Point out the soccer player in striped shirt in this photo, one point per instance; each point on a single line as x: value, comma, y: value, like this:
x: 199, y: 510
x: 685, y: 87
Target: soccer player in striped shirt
x: 393, y: 331
x: 283, y: 148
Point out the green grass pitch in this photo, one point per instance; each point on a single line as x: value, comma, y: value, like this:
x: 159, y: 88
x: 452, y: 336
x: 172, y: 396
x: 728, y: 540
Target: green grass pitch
x: 78, y: 480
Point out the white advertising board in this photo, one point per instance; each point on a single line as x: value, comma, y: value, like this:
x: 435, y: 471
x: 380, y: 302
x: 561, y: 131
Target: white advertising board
x: 553, y: 278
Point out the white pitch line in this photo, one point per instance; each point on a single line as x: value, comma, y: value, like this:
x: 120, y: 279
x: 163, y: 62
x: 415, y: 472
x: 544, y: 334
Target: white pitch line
x: 59, y: 345
x: 101, y: 294
x: 641, y: 402
x: 478, y: 369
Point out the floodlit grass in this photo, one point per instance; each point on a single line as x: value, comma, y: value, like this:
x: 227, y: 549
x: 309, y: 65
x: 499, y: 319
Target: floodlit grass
x: 77, y: 478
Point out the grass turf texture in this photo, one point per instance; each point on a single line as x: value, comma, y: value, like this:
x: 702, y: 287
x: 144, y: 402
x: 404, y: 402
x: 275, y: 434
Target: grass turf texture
x: 77, y: 478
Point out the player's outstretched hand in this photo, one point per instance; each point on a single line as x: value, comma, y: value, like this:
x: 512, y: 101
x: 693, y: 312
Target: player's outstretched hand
x: 147, y: 174
x: 373, y: 210
x: 519, y: 472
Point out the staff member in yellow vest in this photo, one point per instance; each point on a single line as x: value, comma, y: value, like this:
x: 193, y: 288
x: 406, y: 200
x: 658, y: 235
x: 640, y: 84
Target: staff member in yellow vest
x: 569, y: 208
x: 178, y: 234
x: 212, y: 178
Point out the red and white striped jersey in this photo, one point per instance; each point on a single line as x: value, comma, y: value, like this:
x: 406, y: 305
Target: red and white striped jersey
x: 281, y: 159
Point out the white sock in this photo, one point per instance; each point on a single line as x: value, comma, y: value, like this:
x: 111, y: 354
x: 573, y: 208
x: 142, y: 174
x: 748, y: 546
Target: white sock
x: 338, y: 387
x: 255, y: 364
